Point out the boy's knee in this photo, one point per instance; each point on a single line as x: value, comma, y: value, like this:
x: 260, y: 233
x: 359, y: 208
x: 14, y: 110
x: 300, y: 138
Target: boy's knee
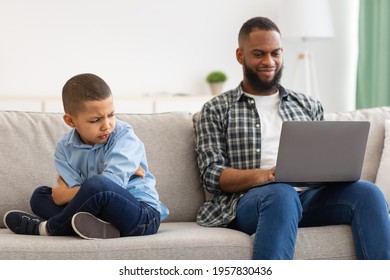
x: 38, y: 196
x: 43, y: 190
x: 98, y: 182
x: 39, y: 193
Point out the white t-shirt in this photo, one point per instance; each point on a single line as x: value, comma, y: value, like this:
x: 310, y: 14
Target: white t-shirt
x: 271, y: 125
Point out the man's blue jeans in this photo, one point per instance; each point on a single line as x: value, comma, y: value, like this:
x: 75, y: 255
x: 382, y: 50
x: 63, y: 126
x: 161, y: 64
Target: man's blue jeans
x: 102, y: 198
x: 275, y: 211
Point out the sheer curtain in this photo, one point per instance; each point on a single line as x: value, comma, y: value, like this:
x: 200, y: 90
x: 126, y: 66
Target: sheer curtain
x: 373, y: 71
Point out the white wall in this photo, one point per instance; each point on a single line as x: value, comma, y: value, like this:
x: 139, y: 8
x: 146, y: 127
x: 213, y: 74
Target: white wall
x: 154, y: 47
x: 335, y: 59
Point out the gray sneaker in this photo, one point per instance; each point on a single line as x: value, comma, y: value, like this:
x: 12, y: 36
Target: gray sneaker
x: 88, y: 226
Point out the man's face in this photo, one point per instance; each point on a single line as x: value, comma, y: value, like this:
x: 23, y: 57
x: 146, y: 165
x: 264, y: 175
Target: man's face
x: 95, y: 122
x: 261, y: 57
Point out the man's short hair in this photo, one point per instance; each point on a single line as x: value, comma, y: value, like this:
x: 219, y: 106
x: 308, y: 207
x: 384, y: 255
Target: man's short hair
x: 257, y: 23
x: 81, y: 88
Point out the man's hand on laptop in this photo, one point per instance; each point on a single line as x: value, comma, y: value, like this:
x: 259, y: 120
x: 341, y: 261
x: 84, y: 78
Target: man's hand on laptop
x: 266, y: 176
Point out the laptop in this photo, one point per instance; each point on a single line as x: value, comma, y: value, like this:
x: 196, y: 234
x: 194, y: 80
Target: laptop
x: 317, y: 152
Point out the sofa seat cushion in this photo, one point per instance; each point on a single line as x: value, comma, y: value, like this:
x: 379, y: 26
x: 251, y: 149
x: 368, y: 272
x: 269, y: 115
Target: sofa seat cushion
x: 179, y: 240
x: 325, y: 243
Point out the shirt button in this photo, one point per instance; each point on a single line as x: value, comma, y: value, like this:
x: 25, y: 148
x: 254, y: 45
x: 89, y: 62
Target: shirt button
x: 257, y: 125
x: 252, y: 101
x: 258, y: 150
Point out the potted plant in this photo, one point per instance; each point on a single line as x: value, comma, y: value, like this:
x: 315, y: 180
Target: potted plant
x: 216, y: 80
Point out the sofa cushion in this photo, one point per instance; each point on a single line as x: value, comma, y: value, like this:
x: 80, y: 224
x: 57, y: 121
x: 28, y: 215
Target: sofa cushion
x: 169, y: 140
x: 26, y: 154
x: 179, y: 240
x: 376, y: 116
x: 186, y: 240
x: 383, y: 177
x: 325, y: 243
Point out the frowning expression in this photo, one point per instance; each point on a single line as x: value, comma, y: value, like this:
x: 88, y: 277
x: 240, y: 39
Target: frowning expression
x: 95, y: 122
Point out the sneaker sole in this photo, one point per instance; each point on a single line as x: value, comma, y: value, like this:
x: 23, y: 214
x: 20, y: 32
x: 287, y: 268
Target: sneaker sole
x: 88, y: 226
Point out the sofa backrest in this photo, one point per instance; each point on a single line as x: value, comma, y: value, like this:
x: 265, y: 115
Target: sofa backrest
x: 169, y: 140
x: 28, y: 139
x: 26, y: 156
x: 27, y: 147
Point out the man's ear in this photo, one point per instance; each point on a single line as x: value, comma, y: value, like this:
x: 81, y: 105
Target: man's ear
x: 240, y: 55
x: 69, y: 120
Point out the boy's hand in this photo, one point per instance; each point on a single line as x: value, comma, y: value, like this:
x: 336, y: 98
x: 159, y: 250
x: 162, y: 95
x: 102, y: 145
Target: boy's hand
x: 58, y: 191
x: 62, y: 194
x: 140, y: 172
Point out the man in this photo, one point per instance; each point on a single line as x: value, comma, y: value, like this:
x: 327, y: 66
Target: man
x: 237, y: 141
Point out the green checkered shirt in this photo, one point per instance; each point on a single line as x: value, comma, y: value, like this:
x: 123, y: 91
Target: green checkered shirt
x: 229, y: 135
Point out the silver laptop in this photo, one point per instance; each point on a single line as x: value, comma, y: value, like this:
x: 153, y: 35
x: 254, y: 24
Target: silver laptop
x: 314, y: 152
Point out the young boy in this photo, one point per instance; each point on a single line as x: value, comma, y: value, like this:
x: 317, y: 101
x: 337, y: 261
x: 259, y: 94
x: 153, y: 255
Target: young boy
x: 105, y: 189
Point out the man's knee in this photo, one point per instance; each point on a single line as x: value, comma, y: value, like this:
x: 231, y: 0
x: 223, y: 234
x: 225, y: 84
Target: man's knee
x: 281, y: 203
x: 280, y: 197
x: 283, y: 191
x: 285, y: 198
x: 367, y: 192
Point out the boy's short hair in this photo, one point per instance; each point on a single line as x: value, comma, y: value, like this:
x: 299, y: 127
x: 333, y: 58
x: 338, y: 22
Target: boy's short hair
x: 81, y: 88
x: 257, y: 23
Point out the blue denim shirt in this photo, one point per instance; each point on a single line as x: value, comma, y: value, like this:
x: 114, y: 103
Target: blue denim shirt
x: 118, y: 159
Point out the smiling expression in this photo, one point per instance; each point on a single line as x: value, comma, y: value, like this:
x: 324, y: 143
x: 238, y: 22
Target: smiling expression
x: 260, y: 53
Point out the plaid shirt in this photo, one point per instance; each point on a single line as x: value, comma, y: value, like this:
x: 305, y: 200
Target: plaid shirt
x: 229, y: 136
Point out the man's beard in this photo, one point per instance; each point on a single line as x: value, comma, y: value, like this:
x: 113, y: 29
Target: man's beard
x: 256, y: 83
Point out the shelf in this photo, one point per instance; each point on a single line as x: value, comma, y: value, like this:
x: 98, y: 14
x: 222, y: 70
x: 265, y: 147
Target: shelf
x: 134, y: 104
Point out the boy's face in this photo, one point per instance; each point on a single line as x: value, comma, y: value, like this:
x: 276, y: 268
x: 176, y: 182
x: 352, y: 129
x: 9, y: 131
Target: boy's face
x: 95, y: 123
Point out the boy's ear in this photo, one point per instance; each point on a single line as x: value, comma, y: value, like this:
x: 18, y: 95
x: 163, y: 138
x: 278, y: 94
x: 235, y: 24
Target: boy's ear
x: 69, y: 120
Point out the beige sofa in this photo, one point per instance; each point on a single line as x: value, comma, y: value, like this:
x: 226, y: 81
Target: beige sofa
x: 26, y: 161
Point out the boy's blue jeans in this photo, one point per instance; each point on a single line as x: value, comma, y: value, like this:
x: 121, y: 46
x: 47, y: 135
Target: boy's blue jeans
x: 275, y: 211
x: 104, y: 199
